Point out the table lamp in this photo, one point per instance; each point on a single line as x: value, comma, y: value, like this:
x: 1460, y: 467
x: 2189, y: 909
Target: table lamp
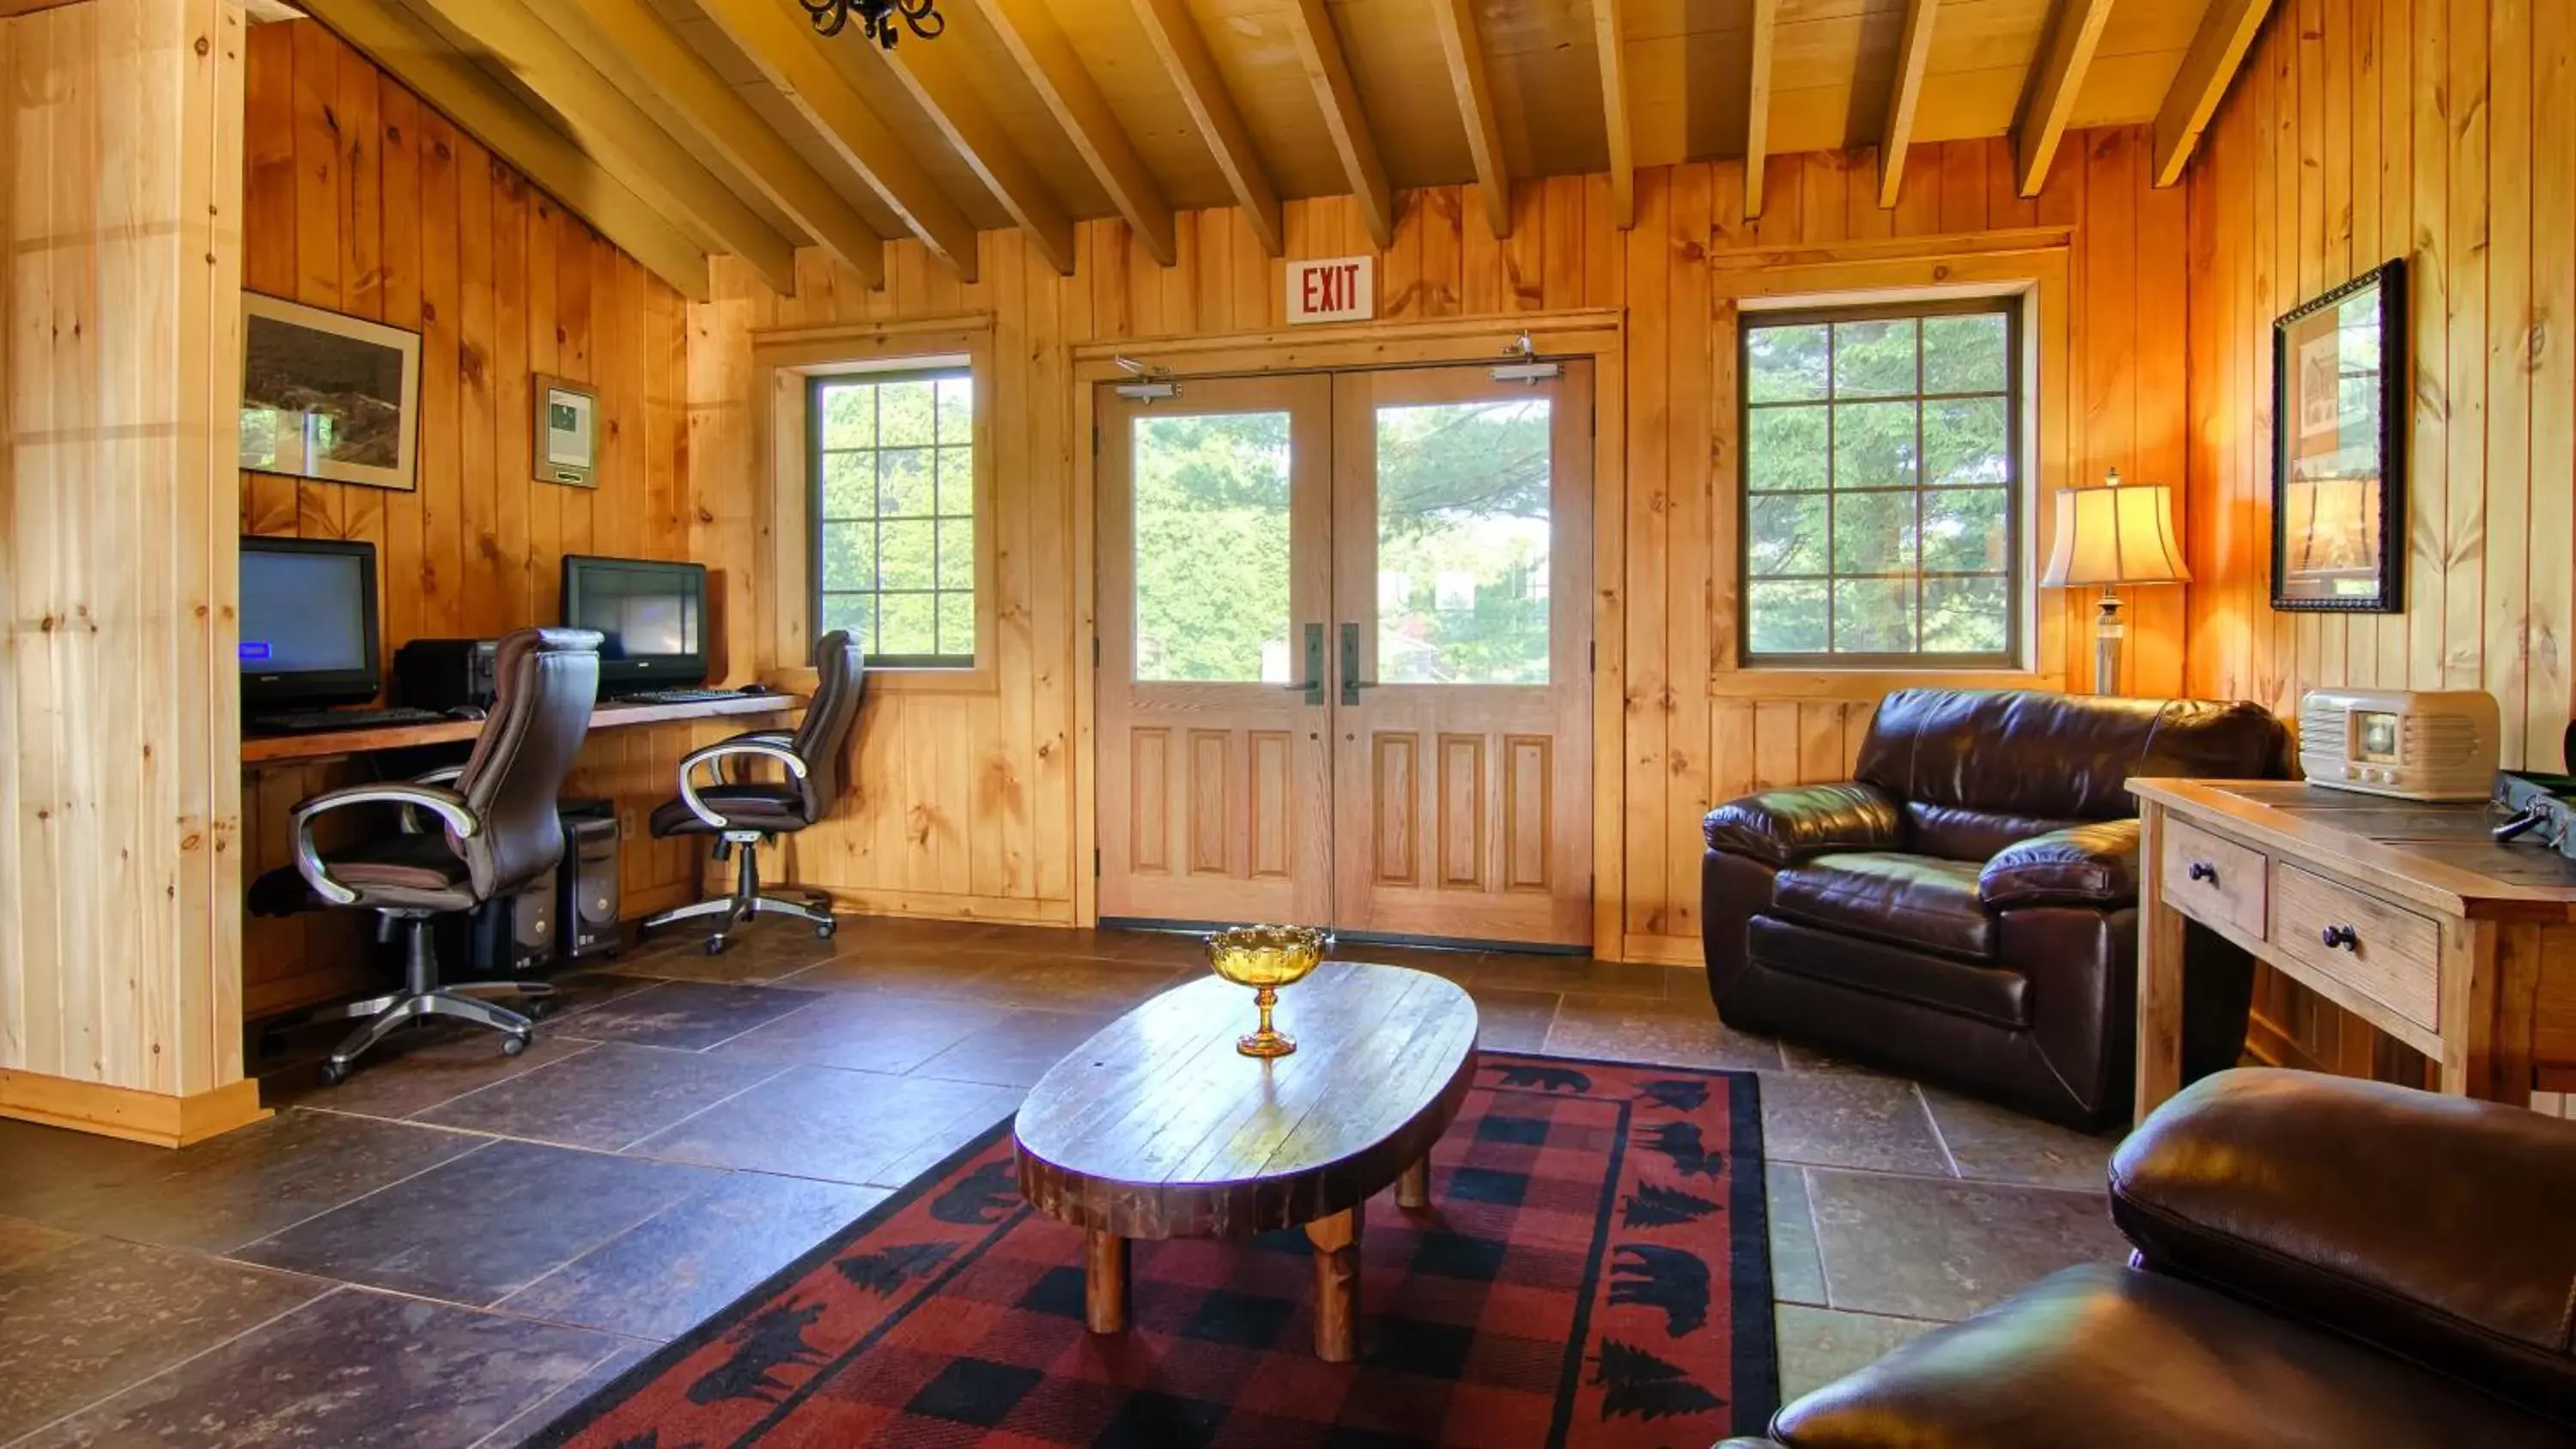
x: 2113, y: 535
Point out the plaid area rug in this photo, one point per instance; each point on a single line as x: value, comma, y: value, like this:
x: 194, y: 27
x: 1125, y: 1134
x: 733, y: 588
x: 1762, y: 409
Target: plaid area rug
x: 1594, y: 1270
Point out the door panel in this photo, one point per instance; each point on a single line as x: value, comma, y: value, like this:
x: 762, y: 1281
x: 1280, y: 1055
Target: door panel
x: 1214, y: 790
x: 1462, y: 581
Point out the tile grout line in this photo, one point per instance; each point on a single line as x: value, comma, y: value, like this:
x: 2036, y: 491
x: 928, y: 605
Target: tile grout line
x: 336, y: 1287
x: 227, y: 1254
x: 1938, y: 1136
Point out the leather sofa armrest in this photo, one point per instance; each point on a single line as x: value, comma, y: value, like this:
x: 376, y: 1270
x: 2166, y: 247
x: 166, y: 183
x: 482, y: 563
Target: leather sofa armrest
x: 2095, y: 864
x: 1784, y: 827
x: 2434, y: 1227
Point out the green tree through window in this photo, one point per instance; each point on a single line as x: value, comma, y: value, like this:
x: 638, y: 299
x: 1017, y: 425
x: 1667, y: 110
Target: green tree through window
x: 1882, y: 485
x: 893, y: 503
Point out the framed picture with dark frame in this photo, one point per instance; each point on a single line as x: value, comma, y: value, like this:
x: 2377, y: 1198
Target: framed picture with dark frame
x: 2339, y: 454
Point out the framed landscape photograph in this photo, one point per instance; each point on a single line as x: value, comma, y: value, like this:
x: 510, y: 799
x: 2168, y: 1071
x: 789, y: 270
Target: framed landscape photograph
x: 2339, y: 461
x: 566, y: 430
x: 326, y: 395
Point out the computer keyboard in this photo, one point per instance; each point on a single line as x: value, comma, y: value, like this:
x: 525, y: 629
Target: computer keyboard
x: 676, y: 696
x: 310, y: 721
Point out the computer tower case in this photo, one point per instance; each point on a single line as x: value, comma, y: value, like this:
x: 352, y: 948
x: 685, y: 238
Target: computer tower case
x: 587, y: 904
x: 515, y: 935
x: 446, y: 673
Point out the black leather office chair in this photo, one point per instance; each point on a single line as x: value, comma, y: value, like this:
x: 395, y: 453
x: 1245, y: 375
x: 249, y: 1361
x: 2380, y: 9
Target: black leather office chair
x: 501, y: 836
x: 743, y: 813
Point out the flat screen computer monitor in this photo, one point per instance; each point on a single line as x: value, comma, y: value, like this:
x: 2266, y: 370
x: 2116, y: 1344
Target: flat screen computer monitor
x: 308, y: 622
x: 650, y: 617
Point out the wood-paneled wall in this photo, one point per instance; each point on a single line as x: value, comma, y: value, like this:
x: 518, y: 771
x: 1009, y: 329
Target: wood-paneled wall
x: 963, y: 800
x: 362, y: 199
x: 119, y: 882
x: 2444, y: 133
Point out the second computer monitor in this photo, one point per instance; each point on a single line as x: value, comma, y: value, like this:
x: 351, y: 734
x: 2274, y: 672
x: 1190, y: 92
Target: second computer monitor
x: 651, y: 617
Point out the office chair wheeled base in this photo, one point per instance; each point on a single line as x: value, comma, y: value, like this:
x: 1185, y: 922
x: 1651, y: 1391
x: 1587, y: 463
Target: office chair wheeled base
x: 736, y: 911
x: 422, y: 997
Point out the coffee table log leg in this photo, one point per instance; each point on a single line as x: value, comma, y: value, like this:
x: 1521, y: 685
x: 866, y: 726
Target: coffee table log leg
x: 1337, y: 1285
x: 1413, y: 1189
x: 1104, y: 1282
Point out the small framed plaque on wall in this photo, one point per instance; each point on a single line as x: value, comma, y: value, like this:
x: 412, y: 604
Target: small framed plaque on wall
x: 566, y: 432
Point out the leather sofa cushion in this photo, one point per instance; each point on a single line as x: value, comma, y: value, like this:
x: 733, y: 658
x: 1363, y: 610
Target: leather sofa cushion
x: 1911, y: 900
x: 2047, y: 756
x: 1991, y: 994
x: 1782, y: 827
x: 2433, y: 1226
x: 2110, y: 1358
x: 1959, y: 832
x: 2086, y: 865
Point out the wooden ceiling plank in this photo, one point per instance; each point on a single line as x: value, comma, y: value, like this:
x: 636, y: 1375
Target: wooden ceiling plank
x: 2049, y: 97
x: 1912, y: 54
x: 1048, y: 62
x: 789, y: 53
x: 1465, y: 52
x: 1757, y: 101
x: 663, y: 60
x: 1610, y: 42
x: 397, y: 40
x: 1319, y: 50
x: 2208, y: 68
x: 604, y: 122
x: 988, y: 152
x: 1177, y: 43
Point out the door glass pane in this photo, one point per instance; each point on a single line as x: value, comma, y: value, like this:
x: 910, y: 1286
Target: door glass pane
x: 1212, y: 536
x: 1462, y: 543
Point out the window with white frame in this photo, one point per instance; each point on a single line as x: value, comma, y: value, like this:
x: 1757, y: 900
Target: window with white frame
x: 891, y: 459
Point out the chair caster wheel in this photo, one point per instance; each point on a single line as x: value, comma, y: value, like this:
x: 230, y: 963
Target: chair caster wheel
x: 536, y: 1008
x: 334, y: 1073
x: 715, y: 945
x: 513, y: 1044
x: 823, y: 931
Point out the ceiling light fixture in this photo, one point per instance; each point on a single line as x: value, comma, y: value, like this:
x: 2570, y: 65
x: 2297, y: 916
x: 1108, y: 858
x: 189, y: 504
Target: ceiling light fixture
x: 877, y: 17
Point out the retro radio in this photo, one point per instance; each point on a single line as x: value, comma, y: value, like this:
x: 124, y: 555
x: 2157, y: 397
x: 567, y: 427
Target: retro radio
x: 2412, y: 744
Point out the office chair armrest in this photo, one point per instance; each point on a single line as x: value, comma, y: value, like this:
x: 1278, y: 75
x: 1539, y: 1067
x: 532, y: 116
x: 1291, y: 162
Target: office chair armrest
x: 742, y: 763
x: 409, y: 818
x: 447, y: 805
x: 726, y: 749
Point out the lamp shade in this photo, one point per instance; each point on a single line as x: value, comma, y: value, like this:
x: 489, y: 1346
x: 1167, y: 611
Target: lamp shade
x: 2115, y: 534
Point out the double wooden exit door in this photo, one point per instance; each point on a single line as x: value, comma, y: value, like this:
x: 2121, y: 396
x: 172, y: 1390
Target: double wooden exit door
x: 1345, y: 653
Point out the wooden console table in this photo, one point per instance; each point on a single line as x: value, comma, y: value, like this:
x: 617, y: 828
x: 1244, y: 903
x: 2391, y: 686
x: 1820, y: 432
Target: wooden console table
x: 2406, y: 915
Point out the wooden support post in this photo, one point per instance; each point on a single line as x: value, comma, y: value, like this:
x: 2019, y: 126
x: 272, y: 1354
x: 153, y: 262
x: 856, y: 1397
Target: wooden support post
x: 1337, y: 1285
x: 1413, y: 1189
x: 1104, y: 1282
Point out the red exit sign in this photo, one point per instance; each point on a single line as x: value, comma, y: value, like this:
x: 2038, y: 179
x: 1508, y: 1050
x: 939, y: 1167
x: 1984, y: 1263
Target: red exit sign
x: 1332, y: 289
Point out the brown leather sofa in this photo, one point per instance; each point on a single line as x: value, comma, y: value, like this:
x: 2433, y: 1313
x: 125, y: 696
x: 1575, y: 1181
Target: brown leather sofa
x: 1966, y: 909
x: 2319, y: 1262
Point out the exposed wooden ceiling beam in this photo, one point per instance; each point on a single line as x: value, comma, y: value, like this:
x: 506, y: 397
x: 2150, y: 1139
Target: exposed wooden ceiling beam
x: 1911, y: 56
x: 1047, y: 60
x: 1757, y: 102
x: 933, y: 83
x: 1184, y: 54
x: 632, y: 34
x: 2226, y: 33
x: 1319, y: 50
x: 397, y: 40
x: 605, y: 123
x: 786, y: 50
x: 2049, y: 101
x: 1610, y: 42
x: 1465, y: 53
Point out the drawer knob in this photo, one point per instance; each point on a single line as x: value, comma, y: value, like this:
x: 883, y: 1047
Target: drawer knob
x: 2343, y: 938
x: 2203, y: 870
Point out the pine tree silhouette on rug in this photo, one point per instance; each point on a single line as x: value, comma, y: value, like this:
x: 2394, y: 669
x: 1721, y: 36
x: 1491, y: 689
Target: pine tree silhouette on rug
x: 887, y: 1269
x: 1680, y: 1143
x: 1671, y: 1280
x: 1633, y: 1381
x: 1681, y: 1095
x: 982, y: 1197
x: 1547, y: 1079
x: 1662, y: 1207
x: 772, y: 1339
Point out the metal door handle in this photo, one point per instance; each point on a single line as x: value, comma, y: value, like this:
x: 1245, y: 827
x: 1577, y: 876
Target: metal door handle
x: 1313, y: 688
x: 1352, y: 684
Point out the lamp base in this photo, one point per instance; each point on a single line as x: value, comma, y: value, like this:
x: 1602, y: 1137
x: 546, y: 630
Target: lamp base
x: 2108, y: 631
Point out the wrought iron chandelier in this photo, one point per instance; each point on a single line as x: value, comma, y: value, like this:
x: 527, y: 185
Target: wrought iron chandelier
x: 877, y: 17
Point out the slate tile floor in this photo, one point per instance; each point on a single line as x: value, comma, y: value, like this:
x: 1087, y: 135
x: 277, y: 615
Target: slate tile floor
x: 455, y: 1244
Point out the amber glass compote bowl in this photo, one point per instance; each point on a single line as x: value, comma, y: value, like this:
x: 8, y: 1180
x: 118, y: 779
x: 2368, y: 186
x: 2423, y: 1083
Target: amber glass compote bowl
x: 1266, y: 958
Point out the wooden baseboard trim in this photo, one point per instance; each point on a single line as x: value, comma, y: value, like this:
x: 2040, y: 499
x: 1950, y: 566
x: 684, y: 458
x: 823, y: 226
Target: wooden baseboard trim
x: 136, y: 1116
x: 1662, y: 950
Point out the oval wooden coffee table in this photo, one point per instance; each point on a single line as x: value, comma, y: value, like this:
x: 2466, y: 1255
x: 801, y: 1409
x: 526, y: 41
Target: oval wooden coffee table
x: 1158, y: 1128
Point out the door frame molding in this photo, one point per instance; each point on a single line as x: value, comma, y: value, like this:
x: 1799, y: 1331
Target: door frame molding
x: 1594, y: 333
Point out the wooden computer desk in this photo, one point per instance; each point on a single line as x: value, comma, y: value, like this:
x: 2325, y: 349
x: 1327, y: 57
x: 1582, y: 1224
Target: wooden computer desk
x: 333, y: 744
x: 2406, y: 914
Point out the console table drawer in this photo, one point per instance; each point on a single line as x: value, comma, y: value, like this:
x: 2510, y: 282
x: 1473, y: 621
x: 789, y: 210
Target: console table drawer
x: 2213, y: 880
x: 2389, y: 954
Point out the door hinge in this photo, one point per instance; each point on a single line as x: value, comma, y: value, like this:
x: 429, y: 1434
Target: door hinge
x: 1095, y: 651
x: 1095, y: 437
x: 1095, y: 861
